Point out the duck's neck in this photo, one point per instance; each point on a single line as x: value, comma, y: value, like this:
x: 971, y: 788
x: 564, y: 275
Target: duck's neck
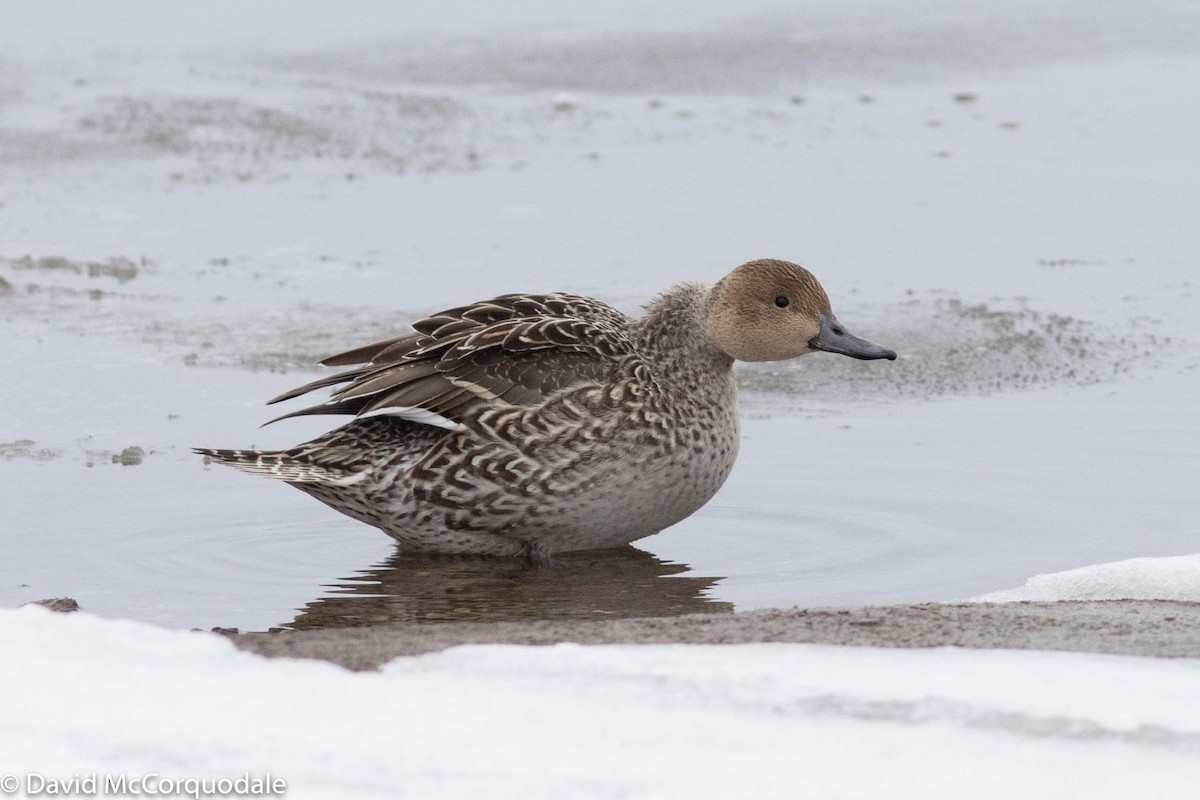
x: 673, y: 336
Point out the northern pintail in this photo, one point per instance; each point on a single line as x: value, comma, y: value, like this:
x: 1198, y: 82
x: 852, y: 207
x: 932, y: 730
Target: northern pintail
x: 536, y: 423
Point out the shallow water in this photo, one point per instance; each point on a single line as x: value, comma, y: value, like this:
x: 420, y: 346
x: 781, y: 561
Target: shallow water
x: 180, y: 225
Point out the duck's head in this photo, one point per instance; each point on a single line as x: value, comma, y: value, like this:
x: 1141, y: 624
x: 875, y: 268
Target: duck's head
x: 770, y: 310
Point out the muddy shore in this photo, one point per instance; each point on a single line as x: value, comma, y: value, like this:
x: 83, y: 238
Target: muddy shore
x: 1121, y: 627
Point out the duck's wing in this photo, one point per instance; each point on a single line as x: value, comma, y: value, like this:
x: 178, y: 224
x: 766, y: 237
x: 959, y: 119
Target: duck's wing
x: 514, y: 350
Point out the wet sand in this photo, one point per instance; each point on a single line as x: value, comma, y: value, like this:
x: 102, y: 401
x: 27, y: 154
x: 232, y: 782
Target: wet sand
x: 1120, y: 627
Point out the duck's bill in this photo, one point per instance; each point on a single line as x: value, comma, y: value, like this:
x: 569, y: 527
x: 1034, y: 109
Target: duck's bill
x: 833, y: 338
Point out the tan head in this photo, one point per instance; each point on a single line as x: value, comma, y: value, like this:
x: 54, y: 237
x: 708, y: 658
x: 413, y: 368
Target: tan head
x: 770, y: 310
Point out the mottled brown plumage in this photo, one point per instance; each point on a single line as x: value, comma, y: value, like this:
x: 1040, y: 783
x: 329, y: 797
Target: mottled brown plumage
x: 541, y: 423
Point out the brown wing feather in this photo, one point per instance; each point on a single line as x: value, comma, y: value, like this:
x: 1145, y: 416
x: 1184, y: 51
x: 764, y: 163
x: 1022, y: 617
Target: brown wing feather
x: 405, y: 373
x: 319, y: 383
x: 371, y: 352
x: 511, y: 350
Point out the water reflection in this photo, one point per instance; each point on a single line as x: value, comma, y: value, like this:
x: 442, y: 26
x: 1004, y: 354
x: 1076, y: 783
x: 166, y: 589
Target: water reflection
x: 411, y: 587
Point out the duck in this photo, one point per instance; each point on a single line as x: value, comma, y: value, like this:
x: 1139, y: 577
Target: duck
x: 534, y: 424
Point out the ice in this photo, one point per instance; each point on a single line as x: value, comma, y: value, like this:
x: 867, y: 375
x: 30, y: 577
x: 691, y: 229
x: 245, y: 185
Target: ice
x: 1174, y: 578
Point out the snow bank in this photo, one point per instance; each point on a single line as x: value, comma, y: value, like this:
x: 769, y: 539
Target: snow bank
x: 84, y: 695
x: 1171, y: 578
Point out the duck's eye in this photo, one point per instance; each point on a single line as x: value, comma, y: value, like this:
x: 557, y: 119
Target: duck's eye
x: 782, y: 301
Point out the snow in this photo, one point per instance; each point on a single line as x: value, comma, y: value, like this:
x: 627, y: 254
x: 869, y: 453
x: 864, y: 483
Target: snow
x: 82, y: 694
x: 1170, y: 578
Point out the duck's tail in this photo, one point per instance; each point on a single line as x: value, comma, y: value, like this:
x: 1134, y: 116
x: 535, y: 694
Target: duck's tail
x: 284, y: 465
